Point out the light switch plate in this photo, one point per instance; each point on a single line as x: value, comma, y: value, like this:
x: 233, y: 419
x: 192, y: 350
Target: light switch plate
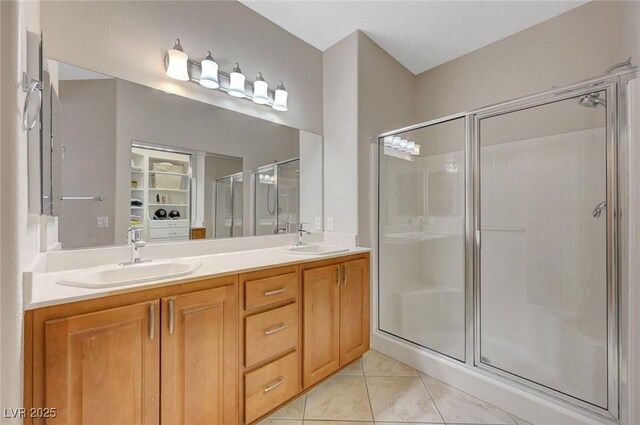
x: 318, y: 224
x: 330, y: 224
x: 103, y: 222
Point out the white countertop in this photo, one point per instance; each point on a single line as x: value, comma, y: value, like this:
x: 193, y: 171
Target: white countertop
x: 42, y: 289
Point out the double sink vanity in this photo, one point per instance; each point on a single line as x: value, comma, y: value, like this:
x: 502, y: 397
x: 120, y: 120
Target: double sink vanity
x: 212, y: 339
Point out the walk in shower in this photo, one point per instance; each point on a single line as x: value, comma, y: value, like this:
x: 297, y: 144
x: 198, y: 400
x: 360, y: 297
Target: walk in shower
x: 498, y: 241
x: 276, y: 196
x: 229, y: 196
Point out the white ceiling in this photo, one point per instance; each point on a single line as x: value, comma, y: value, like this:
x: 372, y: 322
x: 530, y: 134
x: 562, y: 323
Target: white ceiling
x: 419, y: 34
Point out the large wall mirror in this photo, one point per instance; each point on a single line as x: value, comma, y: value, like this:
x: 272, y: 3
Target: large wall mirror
x: 119, y: 155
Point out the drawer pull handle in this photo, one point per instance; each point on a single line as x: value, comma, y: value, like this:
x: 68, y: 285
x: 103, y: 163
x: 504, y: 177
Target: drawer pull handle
x: 338, y: 277
x: 152, y: 320
x: 275, y: 292
x: 345, y: 275
x: 274, y: 385
x: 171, y: 316
x: 275, y: 330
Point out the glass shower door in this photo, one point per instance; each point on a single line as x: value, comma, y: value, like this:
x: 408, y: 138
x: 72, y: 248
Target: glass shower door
x: 288, y: 188
x: 422, y: 236
x: 545, y: 306
x: 223, y: 208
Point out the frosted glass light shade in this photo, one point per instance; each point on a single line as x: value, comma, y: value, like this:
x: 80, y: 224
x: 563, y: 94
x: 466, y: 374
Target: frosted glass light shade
x: 410, y: 146
x: 209, y: 75
x: 236, y: 82
x: 416, y: 150
x: 280, y: 98
x: 260, y: 88
x: 395, y: 143
x: 403, y: 145
x: 388, y: 141
x: 177, y: 63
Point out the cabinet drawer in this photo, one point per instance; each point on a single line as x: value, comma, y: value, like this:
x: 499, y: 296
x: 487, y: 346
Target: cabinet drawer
x: 270, y: 333
x: 271, y: 290
x: 168, y: 224
x: 169, y: 233
x: 269, y: 386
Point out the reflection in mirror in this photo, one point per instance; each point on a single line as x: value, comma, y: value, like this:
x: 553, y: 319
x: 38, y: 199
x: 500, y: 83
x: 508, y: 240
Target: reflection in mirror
x: 123, y: 155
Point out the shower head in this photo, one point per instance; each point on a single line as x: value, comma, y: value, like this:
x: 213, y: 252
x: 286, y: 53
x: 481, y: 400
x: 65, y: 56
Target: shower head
x: 591, y: 100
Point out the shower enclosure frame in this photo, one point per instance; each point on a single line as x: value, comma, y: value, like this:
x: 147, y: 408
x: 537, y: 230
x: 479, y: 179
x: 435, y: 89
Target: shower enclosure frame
x: 617, y: 169
x: 262, y: 168
x: 239, y: 176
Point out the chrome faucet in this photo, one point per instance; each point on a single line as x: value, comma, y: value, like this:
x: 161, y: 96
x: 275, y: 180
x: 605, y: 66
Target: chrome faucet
x: 597, y: 211
x: 136, y: 242
x: 299, y: 232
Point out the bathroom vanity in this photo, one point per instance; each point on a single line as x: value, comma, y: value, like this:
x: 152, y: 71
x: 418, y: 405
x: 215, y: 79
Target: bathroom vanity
x: 213, y: 348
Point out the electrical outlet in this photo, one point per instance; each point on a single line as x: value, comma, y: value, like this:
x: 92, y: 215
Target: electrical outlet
x: 103, y: 222
x: 318, y: 224
x: 330, y: 224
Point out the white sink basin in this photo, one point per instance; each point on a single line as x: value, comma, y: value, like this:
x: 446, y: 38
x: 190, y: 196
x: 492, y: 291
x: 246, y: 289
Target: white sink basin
x: 118, y: 275
x: 315, y: 249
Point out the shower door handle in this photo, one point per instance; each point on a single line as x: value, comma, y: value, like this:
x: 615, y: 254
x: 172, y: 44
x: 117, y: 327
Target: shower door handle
x: 597, y: 211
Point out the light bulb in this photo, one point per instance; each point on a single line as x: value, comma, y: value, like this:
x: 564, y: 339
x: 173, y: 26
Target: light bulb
x: 177, y: 63
x: 236, y: 82
x: 260, y: 88
x: 209, y: 75
x: 280, y: 98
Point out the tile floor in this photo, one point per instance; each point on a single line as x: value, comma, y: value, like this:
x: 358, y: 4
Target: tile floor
x: 382, y: 391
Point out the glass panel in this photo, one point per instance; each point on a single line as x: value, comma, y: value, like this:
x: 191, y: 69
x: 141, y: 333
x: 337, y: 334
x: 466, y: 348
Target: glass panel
x: 238, y: 194
x: 543, y: 287
x: 223, y: 207
x: 288, y: 193
x: 265, y: 202
x: 422, y: 238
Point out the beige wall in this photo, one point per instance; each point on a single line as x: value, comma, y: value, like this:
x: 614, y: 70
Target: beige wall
x: 130, y: 39
x: 385, y: 101
x: 18, y: 230
x: 89, y: 168
x: 577, y: 45
x: 340, y: 71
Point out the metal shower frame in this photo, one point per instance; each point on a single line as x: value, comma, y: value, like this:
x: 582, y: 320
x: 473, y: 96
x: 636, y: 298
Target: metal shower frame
x: 614, y: 85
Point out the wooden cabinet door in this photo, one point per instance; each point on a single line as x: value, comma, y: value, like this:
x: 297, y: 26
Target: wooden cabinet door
x: 354, y: 310
x: 102, y: 368
x: 321, y: 323
x: 200, y: 358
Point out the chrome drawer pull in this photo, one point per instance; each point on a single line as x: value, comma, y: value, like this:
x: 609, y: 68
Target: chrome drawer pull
x: 274, y: 385
x: 345, y: 275
x: 338, y: 277
x: 275, y: 292
x: 171, y: 317
x: 152, y: 320
x: 275, y: 330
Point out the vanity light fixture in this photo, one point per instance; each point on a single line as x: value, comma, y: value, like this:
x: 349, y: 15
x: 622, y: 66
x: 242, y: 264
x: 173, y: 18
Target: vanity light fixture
x: 403, y: 145
x: 280, y: 98
x: 236, y: 82
x: 209, y: 75
x: 177, y: 63
x: 260, y: 90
